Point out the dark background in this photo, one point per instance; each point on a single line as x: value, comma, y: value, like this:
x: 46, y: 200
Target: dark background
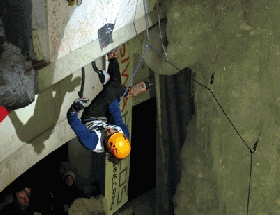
x: 143, y: 149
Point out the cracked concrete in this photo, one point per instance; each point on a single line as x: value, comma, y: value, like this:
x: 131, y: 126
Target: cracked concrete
x: 240, y: 42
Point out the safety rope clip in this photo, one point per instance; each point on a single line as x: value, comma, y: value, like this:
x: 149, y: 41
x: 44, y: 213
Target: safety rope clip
x: 147, y: 44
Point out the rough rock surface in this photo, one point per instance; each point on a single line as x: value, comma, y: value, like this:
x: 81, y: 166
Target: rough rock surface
x: 16, y: 78
x: 16, y: 74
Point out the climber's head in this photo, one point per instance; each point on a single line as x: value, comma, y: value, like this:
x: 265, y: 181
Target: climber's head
x: 117, y: 143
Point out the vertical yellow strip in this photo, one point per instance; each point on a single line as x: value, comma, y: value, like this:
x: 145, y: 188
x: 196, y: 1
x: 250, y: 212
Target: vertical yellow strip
x: 117, y: 176
x: 125, y: 53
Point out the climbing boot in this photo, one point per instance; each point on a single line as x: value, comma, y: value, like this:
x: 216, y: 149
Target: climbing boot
x: 137, y: 88
x: 112, y: 55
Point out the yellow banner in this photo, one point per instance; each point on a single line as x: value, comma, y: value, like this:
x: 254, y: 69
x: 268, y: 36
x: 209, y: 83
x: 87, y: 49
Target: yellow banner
x: 116, y: 184
x: 117, y: 176
x: 126, y: 69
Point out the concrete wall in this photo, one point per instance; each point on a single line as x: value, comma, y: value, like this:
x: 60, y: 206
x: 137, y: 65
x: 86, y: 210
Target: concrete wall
x: 73, y: 30
x: 74, y: 27
x: 40, y: 29
x: 31, y: 133
x: 240, y: 41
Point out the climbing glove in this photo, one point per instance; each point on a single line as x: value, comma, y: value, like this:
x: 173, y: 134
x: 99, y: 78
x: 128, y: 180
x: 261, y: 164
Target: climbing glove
x: 78, y: 104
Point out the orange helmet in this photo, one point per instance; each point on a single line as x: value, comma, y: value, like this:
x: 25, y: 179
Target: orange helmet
x: 119, y: 145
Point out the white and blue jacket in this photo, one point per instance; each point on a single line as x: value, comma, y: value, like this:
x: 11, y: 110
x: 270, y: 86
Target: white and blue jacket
x: 90, y: 133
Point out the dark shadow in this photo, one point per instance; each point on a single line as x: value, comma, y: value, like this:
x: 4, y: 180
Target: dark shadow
x: 43, y: 115
x: 47, y: 171
x: 177, y: 107
x: 17, y: 23
x: 143, y: 149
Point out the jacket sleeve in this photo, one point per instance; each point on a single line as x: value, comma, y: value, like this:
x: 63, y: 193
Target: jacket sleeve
x: 89, y: 139
x: 116, y: 113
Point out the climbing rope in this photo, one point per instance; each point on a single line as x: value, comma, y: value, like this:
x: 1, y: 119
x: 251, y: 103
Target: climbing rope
x: 160, y: 34
x: 145, y: 51
x: 149, y: 46
x: 136, y: 70
x: 146, y: 20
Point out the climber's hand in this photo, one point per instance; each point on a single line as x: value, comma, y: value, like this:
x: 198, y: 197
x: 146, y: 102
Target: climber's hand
x: 78, y: 104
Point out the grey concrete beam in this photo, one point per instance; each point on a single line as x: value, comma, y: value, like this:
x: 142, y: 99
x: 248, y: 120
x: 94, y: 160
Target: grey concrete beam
x: 67, y: 65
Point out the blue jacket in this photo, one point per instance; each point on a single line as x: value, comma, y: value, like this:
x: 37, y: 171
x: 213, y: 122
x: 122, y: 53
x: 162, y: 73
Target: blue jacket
x: 88, y: 138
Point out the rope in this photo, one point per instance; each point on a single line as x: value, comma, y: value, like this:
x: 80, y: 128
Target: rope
x: 147, y: 21
x: 249, y: 189
x: 251, y: 167
x: 145, y: 51
x: 135, y: 71
x: 160, y: 34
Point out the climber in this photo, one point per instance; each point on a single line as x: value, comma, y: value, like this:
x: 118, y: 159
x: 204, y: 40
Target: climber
x: 93, y: 130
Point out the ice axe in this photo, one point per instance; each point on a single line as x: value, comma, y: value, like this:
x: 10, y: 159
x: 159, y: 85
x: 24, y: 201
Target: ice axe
x: 78, y: 104
x: 81, y: 92
x: 101, y: 76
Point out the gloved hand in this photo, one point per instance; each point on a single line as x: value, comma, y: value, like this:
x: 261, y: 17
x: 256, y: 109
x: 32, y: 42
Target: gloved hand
x: 78, y: 104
